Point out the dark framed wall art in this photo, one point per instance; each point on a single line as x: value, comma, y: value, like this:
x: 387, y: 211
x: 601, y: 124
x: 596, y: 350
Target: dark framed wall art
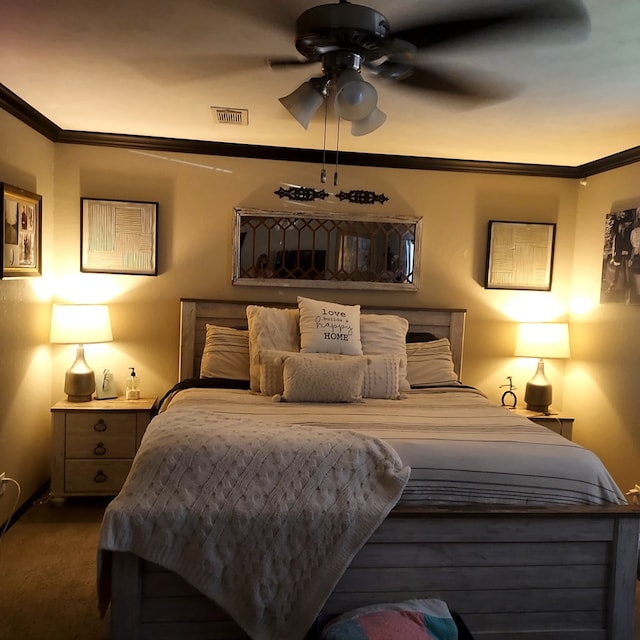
x: 520, y: 255
x: 118, y: 237
x: 21, y: 233
x: 620, y: 281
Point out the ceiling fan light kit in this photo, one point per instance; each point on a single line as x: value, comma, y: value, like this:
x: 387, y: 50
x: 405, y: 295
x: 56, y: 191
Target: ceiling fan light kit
x: 372, y: 122
x: 355, y: 98
x: 348, y: 39
x: 306, y: 100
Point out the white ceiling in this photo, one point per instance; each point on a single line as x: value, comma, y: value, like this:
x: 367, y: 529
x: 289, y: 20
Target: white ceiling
x: 155, y: 69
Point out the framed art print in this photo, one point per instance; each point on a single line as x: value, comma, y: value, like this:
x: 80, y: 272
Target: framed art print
x: 520, y: 255
x: 21, y: 233
x: 118, y: 237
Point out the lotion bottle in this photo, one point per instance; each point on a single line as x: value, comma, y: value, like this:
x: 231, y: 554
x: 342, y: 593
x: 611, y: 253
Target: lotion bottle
x: 133, y: 393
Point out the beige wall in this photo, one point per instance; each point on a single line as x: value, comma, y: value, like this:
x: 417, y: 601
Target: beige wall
x: 602, y: 386
x: 197, y: 194
x: 27, y: 161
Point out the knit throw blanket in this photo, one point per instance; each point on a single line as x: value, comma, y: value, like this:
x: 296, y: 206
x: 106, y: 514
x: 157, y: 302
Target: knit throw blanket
x: 261, y: 518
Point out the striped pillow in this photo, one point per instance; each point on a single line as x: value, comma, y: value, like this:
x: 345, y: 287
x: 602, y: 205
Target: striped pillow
x: 430, y: 363
x: 225, y: 354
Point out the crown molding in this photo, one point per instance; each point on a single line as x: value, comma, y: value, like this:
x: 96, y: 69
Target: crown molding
x: 17, y: 107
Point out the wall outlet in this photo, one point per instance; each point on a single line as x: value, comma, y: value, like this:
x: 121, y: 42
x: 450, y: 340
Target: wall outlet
x: 1, y: 483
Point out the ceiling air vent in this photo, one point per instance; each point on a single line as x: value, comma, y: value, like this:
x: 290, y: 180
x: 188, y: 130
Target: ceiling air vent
x: 227, y: 115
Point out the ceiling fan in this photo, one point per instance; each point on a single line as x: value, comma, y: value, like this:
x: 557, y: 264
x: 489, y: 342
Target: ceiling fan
x: 347, y: 39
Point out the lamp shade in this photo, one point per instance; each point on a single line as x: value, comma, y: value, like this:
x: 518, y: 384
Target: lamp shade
x: 80, y: 324
x: 542, y: 340
x: 305, y: 100
x: 374, y: 120
x: 355, y: 98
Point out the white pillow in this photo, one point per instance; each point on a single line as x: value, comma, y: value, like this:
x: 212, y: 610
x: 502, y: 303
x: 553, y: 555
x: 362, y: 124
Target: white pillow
x: 386, y: 334
x: 272, y: 368
x: 270, y: 328
x: 225, y: 354
x: 382, y: 377
x: 328, y: 327
x: 312, y: 379
x: 430, y: 363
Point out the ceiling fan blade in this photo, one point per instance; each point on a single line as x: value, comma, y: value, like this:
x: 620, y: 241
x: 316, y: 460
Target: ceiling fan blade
x: 283, y: 63
x: 193, y: 68
x: 529, y: 21
x: 469, y: 87
x: 281, y: 17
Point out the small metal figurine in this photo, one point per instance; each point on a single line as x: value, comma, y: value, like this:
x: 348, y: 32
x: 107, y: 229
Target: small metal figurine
x: 509, y: 394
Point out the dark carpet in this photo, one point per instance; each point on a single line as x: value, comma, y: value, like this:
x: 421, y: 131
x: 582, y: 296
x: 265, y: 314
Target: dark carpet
x: 48, y: 573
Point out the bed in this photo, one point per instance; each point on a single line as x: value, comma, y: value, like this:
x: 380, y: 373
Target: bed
x: 561, y: 566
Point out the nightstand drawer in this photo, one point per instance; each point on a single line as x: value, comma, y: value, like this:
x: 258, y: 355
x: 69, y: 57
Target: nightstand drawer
x: 100, y: 435
x: 95, y: 476
x: 94, y: 443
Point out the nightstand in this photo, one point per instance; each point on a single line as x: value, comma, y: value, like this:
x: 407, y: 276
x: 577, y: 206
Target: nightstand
x: 556, y: 421
x: 93, y: 444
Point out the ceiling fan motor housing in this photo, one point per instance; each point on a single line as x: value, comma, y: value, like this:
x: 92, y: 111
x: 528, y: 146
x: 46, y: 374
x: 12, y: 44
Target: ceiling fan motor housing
x: 341, y: 27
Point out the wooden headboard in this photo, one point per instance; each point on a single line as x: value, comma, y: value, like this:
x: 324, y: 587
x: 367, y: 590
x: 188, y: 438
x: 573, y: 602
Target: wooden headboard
x: 196, y: 314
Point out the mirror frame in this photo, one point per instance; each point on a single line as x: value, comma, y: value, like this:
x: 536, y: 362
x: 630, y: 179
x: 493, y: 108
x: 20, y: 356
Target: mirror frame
x: 240, y: 213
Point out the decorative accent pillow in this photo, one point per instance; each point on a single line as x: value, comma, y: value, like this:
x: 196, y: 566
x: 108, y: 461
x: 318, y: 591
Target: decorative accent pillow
x: 382, y: 377
x: 410, y: 620
x: 270, y: 328
x: 272, y: 368
x: 328, y: 327
x: 386, y: 334
x: 225, y: 354
x: 430, y: 363
x: 311, y: 379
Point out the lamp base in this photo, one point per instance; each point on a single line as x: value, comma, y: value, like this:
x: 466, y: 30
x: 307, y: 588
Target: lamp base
x: 79, y: 380
x: 539, y: 408
x: 538, y: 391
x: 83, y: 398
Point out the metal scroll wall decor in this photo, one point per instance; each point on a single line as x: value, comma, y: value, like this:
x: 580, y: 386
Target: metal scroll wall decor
x: 307, y: 194
x: 332, y: 250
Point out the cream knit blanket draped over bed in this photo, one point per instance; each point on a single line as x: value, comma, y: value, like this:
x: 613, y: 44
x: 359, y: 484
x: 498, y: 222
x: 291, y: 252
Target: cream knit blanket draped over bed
x: 262, y: 518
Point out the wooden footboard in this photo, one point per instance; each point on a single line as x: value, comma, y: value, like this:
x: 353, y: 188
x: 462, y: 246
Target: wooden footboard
x: 513, y: 574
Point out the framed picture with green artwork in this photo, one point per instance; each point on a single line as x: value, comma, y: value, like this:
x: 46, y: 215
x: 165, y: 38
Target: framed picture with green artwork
x: 118, y: 237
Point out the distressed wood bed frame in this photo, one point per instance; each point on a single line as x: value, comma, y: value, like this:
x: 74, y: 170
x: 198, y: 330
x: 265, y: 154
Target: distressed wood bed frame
x: 512, y: 573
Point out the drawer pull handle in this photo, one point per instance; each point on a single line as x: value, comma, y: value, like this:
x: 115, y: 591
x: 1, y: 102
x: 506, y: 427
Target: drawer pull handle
x: 100, y: 477
x: 100, y: 426
x: 99, y: 449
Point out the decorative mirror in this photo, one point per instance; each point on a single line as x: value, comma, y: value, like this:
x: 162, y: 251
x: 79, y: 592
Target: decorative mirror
x: 336, y: 250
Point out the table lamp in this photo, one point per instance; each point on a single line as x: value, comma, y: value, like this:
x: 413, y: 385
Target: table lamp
x: 541, y: 340
x: 81, y: 324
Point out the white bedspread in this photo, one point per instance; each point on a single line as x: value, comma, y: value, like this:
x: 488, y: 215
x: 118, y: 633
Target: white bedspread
x: 260, y: 517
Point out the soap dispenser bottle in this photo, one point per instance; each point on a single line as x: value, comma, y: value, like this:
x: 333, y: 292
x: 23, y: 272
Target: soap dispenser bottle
x: 133, y: 393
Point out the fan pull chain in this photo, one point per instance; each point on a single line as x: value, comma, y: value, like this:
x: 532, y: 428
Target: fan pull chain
x: 335, y: 175
x: 323, y: 173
